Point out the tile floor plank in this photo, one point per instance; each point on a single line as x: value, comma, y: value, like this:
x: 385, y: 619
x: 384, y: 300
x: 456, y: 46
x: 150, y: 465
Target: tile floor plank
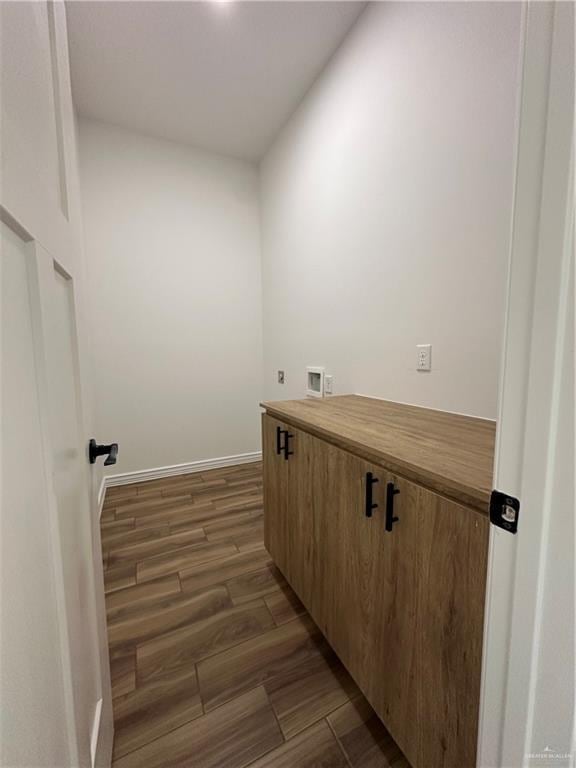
x: 182, y: 558
x: 256, y: 661
x: 240, y: 470
x: 123, y: 674
x: 314, y: 748
x: 207, y: 518
x: 119, y: 577
x: 230, y: 529
x: 166, y: 615
x: 363, y: 738
x: 155, y: 709
x: 117, y: 492
x: 248, y: 503
x: 164, y: 543
x: 140, y: 507
x: 189, y: 513
x: 260, y: 583
x: 251, y: 539
x: 107, y: 527
x: 133, y: 599
x: 308, y: 692
x: 197, y: 491
x: 207, y: 515
x: 284, y: 605
x: 116, y: 539
x: 232, y: 736
x: 223, y: 569
x: 202, y: 639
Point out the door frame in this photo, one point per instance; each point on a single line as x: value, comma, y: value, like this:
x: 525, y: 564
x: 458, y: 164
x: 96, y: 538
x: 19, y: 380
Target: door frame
x: 538, y: 298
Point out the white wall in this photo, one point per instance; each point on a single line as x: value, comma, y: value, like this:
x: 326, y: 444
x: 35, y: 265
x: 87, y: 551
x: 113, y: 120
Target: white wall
x: 172, y: 241
x: 386, y: 205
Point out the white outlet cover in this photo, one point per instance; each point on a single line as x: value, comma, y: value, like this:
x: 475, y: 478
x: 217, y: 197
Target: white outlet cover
x: 424, y: 357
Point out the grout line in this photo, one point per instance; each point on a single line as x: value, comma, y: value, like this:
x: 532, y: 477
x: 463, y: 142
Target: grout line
x: 338, y: 742
x: 163, y: 537
x: 316, y: 721
x: 216, y: 653
x: 256, y: 685
x: 162, y: 735
x: 271, y: 614
x: 203, y: 619
x: 197, y: 547
x: 217, y: 560
x: 222, y: 582
x: 243, y: 693
x: 132, y: 510
x: 227, y: 588
x: 284, y: 739
x: 199, y: 690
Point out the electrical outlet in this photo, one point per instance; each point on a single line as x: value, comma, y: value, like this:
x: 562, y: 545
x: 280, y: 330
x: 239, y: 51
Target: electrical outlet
x: 424, y: 359
x: 280, y: 377
x: 328, y: 384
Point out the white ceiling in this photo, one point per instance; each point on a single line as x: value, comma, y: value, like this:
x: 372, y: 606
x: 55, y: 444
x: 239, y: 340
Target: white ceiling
x: 219, y: 76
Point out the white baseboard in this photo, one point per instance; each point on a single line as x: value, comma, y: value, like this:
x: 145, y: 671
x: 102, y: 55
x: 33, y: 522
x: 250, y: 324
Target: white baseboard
x: 95, y: 731
x: 101, y: 494
x: 181, y: 469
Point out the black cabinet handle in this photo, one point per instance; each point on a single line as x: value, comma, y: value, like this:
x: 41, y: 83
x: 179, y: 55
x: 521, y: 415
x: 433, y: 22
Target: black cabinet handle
x: 279, y: 433
x: 370, y: 480
x: 95, y: 450
x: 390, y: 493
x: 287, y: 451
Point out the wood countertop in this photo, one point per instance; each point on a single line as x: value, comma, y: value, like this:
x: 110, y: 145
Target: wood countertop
x: 446, y: 452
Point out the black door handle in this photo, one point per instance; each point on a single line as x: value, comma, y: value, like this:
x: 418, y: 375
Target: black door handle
x: 279, y: 433
x: 370, y: 480
x: 95, y: 450
x: 287, y: 451
x: 390, y: 493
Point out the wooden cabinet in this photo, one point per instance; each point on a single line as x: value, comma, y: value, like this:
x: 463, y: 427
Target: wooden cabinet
x: 372, y: 585
x: 402, y: 608
x: 275, y: 468
x: 452, y: 564
x: 291, y: 523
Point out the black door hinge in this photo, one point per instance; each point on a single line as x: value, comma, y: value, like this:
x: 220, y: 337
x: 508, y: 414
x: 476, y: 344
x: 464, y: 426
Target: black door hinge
x: 504, y: 511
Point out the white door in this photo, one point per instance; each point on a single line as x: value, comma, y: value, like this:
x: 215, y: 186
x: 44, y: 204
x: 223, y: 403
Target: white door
x: 51, y: 672
x: 70, y: 485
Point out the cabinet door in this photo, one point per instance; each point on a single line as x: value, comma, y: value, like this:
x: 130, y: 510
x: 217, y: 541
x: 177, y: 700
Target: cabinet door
x: 452, y: 563
x: 346, y: 553
x: 275, y: 469
x: 369, y: 584
x: 305, y: 518
x: 292, y: 501
x: 390, y: 648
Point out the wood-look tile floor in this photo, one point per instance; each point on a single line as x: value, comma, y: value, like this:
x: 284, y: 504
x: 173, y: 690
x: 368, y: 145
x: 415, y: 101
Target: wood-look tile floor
x: 214, y: 661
